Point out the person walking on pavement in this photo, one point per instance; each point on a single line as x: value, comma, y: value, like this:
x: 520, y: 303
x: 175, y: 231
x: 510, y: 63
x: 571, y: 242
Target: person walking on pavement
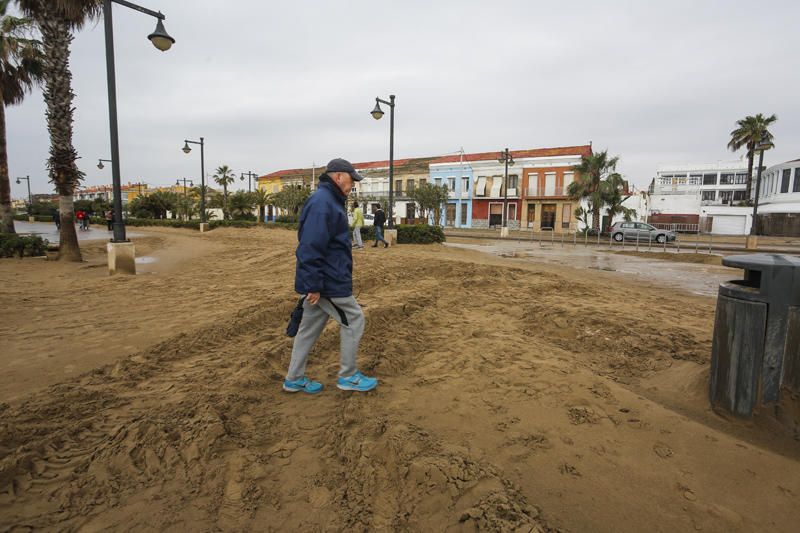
x: 79, y: 215
x: 57, y: 218
x: 380, y: 220
x: 109, y: 214
x: 358, y: 222
x: 324, y: 275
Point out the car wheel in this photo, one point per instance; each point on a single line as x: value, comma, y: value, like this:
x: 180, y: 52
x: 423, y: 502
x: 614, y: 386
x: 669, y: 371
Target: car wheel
x: 618, y: 237
x: 661, y: 238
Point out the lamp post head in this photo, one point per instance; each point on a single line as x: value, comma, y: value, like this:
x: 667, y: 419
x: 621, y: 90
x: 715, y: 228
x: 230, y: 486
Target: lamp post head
x: 160, y: 38
x: 18, y: 182
x: 186, y: 148
x: 100, y: 165
x: 377, y: 113
x: 764, y: 144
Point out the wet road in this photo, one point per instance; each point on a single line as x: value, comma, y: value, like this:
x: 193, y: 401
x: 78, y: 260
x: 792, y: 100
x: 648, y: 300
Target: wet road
x: 48, y: 231
x: 695, y: 278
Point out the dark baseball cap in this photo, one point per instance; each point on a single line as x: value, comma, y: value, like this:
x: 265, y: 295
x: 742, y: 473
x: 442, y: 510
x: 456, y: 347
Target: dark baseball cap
x: 343, y: 165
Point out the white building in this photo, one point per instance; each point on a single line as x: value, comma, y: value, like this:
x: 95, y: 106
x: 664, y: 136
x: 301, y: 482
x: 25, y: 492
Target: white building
x: 701, y: 197
x: 779, y: 200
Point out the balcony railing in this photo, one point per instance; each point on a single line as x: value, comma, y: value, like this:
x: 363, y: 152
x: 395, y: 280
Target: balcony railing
x: 545, y: 191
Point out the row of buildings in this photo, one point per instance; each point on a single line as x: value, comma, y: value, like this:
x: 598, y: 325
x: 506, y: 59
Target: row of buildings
x: 707, y: 197
x: 536, y: 197
x: 712, y: 198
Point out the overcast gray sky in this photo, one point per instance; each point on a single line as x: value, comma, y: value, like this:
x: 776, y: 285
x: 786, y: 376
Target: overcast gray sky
x: 276, y: 84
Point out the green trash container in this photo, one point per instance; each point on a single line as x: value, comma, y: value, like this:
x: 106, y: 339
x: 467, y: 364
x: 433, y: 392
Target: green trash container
x: 756, y: 346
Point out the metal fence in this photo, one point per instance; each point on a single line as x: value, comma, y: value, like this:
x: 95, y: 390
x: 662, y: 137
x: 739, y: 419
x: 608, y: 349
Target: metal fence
x: 678, y: 228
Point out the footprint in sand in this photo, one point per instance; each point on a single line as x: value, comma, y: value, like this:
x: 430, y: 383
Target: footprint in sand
x: 662, y: 450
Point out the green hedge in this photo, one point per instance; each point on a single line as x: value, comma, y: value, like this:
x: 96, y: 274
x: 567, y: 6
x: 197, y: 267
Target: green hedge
x: 409, y: 234
x: 12, y: 244
x: 37, y: 218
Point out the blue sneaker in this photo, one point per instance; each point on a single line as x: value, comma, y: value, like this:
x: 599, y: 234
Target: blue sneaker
x: 303, y: 384
x: 357, y: 382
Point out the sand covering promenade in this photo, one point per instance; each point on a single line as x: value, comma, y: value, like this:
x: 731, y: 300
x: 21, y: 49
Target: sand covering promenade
x: 514, y: 396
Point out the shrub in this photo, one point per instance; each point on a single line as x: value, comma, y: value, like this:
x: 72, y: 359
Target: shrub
x: 232, y: 224
x: 419, y: 234
x: 163, y: 222
x: 37, y: 218
x: 290, y: 219
x: 12, y: 244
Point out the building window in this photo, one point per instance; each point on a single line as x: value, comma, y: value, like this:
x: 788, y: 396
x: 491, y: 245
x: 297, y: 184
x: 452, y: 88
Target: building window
x: 465, y: 184
x: 398, y: 186
x: 463, y: 214
x: 787, y: 174
x: 738, y: 196
x: 709, y: 195
x: 512, y: 212
x: 796, y: 187
x: 740, y: 178
x: 438, y: 182
x: 451, y: 184
x: 480, y: 187
x: 694, y: 179
x: 566, y: 216
x: 512, y: 181
x: 423, y: 181
x: 550, y: 184
x: 725, y: 196
x: 726, y: 179
x: 709, y: 179
x: 410, y: 186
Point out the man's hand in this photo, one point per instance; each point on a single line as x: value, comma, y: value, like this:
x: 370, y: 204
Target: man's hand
x: 312, y: 297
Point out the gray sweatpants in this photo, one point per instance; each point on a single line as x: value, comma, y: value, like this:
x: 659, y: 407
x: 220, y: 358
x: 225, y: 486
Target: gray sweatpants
x: 314, y: 319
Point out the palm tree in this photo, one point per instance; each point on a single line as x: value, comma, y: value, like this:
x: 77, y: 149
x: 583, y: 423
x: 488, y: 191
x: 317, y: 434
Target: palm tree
x: 56, y: 20
x: 592, y: 170
x: 224, y: 177
x: 261, y: 199
x: 21, y: 61
x: 748, y: 133
x: 242, y: 204
x: 611, y: 190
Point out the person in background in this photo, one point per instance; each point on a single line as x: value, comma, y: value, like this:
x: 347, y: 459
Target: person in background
x: 380, y: 220
x: 109, y: 214
x: 57, y: 218
x: 358, y: 223
x: 80, y: 214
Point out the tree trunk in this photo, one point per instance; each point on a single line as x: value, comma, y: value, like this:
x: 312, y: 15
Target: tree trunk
x: 224, y: 201
x: 58, y: 96
x: 750, y: 155
x: 261, y: 210
x: 68, y: 248
x: 596, y: 216
x: 6, y: 214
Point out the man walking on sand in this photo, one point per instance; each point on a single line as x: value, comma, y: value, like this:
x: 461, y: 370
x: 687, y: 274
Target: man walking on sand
x: 324, y: 274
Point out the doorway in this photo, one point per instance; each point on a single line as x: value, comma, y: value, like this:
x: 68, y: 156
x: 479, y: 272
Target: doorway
x: 548, y: 216
x: 495, y: 214
x: 450, y: 217
x: 531, y: 214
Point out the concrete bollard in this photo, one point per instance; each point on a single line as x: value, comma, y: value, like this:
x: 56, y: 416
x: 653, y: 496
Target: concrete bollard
x: 121, y: 258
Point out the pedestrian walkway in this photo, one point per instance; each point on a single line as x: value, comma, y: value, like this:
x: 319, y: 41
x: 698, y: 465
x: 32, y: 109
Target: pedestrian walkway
x: 47, y: 230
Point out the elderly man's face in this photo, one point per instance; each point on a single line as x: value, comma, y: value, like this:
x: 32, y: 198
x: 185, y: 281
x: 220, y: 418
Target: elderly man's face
x: 344, y: 181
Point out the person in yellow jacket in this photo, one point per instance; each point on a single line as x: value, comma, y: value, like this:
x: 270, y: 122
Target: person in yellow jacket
x: 358, y: 222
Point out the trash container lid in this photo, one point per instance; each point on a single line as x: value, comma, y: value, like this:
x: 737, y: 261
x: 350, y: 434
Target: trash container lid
x: 761, y: 261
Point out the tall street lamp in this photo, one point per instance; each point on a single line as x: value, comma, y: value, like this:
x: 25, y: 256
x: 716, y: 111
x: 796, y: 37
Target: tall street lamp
x: 30, y: 200
x: 763, y: 145
x: 100, y: 164
x: 161, y: 40
x: 250, y: 176
x: 377, y: 113
x: 508, y: 159
x: 186, y: 149
x: 185, y: 195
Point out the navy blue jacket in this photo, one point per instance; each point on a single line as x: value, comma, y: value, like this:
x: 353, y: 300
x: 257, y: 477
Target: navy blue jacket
x: 324, y: 253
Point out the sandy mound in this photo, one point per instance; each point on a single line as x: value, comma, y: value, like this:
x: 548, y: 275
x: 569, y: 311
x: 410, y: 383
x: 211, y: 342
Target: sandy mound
x: 512, y: 398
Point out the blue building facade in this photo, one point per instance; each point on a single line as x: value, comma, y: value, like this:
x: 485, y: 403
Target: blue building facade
x: 457, y: 177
